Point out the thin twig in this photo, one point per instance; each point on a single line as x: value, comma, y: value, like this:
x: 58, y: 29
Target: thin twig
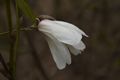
x: 3, y: 63
x: 15, y: 46
x: 6, y: 73
x: 22, y: 29
x: 9, y: 18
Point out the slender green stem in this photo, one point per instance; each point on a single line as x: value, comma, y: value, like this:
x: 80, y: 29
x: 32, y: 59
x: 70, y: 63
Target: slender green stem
x: 14, y: 39
x: 3, y: 33
x: 9, y: 18
x: 15, y: 45
x: 8, y: 10
x: 22, y: 29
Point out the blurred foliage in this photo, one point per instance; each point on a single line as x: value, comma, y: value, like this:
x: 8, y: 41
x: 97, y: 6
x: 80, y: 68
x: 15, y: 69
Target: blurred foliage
x: 26, y: 9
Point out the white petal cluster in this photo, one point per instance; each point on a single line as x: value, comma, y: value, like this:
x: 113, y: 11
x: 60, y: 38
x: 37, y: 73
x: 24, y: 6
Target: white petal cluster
x: 62, y: 38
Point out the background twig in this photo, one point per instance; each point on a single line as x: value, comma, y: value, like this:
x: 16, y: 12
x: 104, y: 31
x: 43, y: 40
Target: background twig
x: 6, y: 71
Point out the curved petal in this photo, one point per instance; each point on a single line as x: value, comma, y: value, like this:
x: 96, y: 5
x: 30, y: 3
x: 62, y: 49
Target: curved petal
x: 62, y: 33
x: 80, y: 46
x: 76, y: 49
x: 60, y: 52
x: 71, y: 26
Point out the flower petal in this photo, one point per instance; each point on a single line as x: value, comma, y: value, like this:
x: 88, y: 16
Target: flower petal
x: 76, y: 49
x: 62, y: 33
x: 80, y: 46
x: 60, y: 52
x: 71, y: 26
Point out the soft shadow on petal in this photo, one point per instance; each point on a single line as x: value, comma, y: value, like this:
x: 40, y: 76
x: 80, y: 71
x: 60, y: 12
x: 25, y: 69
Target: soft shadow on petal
x: 60, y: 52
x: 80, y: 46
x: 73, y: 50
x: 76, y: 49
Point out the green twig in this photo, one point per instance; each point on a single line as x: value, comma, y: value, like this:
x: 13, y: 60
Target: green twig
x: 8, y: 11
x: 22, y: 29
x: 15, y: 45
x: 9, y: 18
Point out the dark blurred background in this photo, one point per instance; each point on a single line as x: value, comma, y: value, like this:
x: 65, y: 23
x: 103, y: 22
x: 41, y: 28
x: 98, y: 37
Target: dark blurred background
x: 100, y: 19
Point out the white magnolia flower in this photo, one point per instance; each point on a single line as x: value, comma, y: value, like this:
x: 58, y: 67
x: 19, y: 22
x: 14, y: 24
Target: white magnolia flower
x: 62, y: 38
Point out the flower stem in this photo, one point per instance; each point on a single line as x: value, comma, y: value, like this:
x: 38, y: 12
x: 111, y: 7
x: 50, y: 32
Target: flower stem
x: 15, y: 45
x: 22, y: 29
x: 8, y: 10
x: 13, y: 39
x: 9, y: 18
